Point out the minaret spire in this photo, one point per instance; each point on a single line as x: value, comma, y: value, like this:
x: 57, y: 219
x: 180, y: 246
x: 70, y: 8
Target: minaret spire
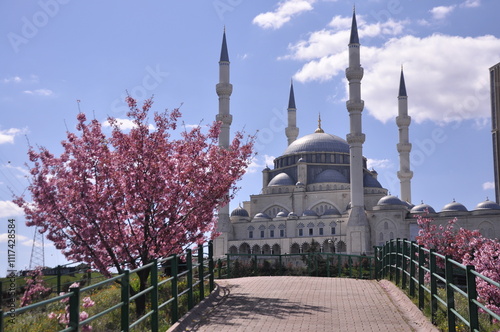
x: 404, y: 146
x: 291, y: 131
x: 358, y: 227
x: 224, y: 89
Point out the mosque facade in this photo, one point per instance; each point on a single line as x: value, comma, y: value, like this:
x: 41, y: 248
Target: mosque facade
x: 321, y: 189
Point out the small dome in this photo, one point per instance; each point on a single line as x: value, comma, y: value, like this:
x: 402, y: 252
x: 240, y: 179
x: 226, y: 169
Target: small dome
x: 281, y: 179
x: 422, y: 208
x: 318, y: 142
x: 487, y: 205
x: 293, y: 215
x: 281, y: 214
x: 390, y: 200
x: 239, y: 212
x: 370, y: 181
x: 454, y: 207
x: 309, y: 213
x: 262, y: 215
x: 330, y: 175
x: 331, y: 212
x: 299, y: 184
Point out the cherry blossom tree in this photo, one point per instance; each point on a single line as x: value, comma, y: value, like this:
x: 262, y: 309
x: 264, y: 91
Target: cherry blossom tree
x: 35, y: 287
x: 468, y: 247
x: 123, y: 199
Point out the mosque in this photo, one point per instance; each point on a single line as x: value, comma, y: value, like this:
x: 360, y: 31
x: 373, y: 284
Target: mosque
x: 321, y: 189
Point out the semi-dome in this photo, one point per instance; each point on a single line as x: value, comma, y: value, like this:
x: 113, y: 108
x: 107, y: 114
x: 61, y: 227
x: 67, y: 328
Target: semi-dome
x: 487, y: 205
x: 422, y: 208
x: 309, y: 213
x: 281, y: 179
x: 390, y: 200
x: 239, y: 212
x: 370, y: 181
x: 318, y: 142
x: 332, y: 212
x: 262, y: 215
x: 454, y: 207
x: 281, y: 214
x: 330, y: 175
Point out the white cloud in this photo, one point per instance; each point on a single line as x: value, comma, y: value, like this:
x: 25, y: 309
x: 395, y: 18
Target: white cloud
x: 443, y: 84
x: 471, y: 3
x: 257, y: 164
x: 40, y: 92
x: 488, y: 185
x: 14, y: 79
x: 379, y: 163
x: 9, y: 210
x: 283, y: 13
x: 8, y: 135
x: 441, y: 12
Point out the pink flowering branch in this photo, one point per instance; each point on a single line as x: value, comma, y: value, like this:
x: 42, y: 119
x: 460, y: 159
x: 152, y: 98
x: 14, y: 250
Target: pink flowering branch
x: 35, y: 287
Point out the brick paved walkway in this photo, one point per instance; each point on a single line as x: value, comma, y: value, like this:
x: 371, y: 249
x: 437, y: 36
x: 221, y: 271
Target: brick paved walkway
x: 288, y: 304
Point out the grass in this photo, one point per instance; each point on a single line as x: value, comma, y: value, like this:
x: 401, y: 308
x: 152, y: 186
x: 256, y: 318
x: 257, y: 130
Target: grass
x: 104, y: 297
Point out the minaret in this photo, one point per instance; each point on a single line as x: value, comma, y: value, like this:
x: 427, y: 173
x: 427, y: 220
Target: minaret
x: 292, y: 131
x: 224, y: 90
x: 404, y: 146
x: 358, y: 227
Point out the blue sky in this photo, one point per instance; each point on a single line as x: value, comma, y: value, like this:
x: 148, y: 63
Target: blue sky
x: 56, y: 52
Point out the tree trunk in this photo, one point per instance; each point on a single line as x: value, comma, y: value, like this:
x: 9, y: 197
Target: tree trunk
x: 140, y: 302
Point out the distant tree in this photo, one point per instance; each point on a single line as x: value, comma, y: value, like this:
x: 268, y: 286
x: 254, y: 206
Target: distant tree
x: 121, y: 200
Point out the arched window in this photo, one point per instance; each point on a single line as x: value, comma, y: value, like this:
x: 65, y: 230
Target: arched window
x: 276, y: 249
x: 295, y: 248
x: 256, y: 249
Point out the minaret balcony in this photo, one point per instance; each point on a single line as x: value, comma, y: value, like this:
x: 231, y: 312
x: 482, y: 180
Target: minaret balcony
x: 224, y: 89
x: 355, y: 73
x: 403, y: 120
x: 404, y: 147
x: 355, y: 105
x: 226, y: 119
x: 355, y: 139
x: 405, y: 175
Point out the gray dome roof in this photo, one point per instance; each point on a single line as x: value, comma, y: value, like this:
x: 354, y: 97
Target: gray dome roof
x: 331, y: 212
x: 487, y: 205
x: 281, y: 214
x: 262, y: 215
x: 309, y: 213
x: 318, y: 142
x: 281, y: 179
x: 390, y: 200
x: 421, y: 208
x: 330, y: 175
x: 454, y: 207
x: 370, y: 181
x: 239, y: 212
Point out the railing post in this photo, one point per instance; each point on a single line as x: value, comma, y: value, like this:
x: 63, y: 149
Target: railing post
x: 189, y: 262
x: 281, y: 265
x: 432, y: 260
x: 471, y: 297
x: 74, y: 308
x: 339, y: 265
x: 450, y: 294
x: 175, y: 290
x: 412, y: 268
x: 391, y: 259
x: 375, y: 261
x: 58, y: 271
x: 154, y: 296
x: 211, y: 265
x: 219, y: 267
x: 398, y: 260
x: 201, y: 274
x: 403, y: 263
x: 328, y: 265
x: 228, y: 268
x: 421, y: 274
x: 125, y: 298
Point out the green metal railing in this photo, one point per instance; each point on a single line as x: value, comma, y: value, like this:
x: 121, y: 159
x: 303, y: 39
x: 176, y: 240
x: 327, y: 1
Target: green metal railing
x: 199, y: 270
x: 423, y: 272
x: 312, y: 264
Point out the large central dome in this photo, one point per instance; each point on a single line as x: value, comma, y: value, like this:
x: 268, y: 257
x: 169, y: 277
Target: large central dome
x: 318, y: 142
